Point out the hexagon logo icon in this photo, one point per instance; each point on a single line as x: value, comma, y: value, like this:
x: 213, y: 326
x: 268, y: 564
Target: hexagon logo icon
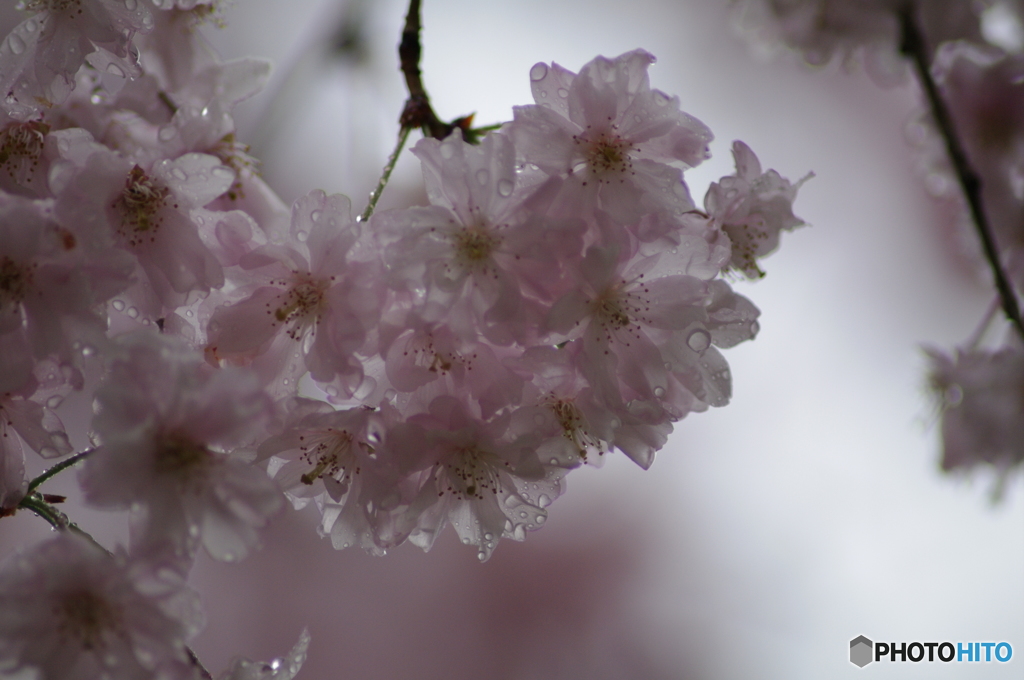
x: 861, y: 651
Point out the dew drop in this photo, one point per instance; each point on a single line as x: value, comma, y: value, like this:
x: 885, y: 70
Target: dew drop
x: 698, y: 340
x: 302, y: 236
x: 48, y: 452
x: 481, y: 556
x: 88, y: 351
x: 554, y: 461
x: 755, y: 328
x: 16, y: 44
x: 133, y: 313
x: 659, y: 392
x: 522, y: 513
x: 222, y: 171
x: 543, y: 501
x: 538, y: 72
x: 130, y: 5
x: 482, y: 177
x: 543, y: 95
x: 179, y: 174
x: 167, y: 133
x: 118, y: 305
x: 505, y: 187
x: 316, y: 215
x: 54, y: 401
x: 488, y: 537
x: 563, y: 93
x: 30, y: 26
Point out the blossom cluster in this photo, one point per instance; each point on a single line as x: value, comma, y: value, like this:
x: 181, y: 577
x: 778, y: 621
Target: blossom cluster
x: 559, y: 298
x: 974, y: 51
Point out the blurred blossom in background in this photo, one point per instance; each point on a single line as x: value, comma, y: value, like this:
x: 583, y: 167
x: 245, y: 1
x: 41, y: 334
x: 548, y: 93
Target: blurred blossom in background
x: 767, y: 534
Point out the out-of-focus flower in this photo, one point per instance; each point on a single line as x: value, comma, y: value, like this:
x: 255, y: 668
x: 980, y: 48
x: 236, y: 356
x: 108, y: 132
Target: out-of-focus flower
x: 70, y: 611
x: 284, y: 668
x: 40, y: 57
x: 981, y: 394
x: 167, y: 424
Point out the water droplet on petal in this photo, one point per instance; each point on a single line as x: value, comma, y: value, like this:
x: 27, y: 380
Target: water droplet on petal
x: 538, y: 72
x: 302, y: 236
x: 544, y: 500
x: 488, y: 537
x: 130, y: 5
x: 755, y: 328
x: 541, y: 519
x: 481, y: 556
x: 16, y: 44
x: 118, y: 305
x: 316, y: 214
x: 482, y: 177
x: 563, y: 93
x: 133, y: 313
x: 659, y: 392
x: 505, y: 187
x: 54, y: 401
x: 30, y: 25
x: 222, y: 171
x: 179, y: 174
x: 167, y: 133
x: 699, y: 340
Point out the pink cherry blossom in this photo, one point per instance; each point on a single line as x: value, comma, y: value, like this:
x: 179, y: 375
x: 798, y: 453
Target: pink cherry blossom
x: 612, y: 134
x: 70, y: 611
x: 40, y: 57
x: 168, y: 425
x: 310, y: 304
x: 981, y: 396
x: 752, y: 207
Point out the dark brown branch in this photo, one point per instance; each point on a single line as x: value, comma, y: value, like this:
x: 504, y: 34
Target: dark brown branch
x: 418, y: 113
x: 913, y: 45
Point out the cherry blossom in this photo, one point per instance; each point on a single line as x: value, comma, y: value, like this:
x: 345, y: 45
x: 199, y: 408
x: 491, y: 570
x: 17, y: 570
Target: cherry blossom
x: 311, y: 306
x: 70, y: 611
x: 981, y: 394
x: 752, y: 208
x: 167, y: 426
x: 612, y: 134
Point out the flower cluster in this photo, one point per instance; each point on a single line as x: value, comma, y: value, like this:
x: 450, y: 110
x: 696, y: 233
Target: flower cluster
x: 559, y: 298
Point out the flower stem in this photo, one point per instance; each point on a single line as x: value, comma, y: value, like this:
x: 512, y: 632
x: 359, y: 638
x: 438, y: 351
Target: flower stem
x: 913, y: 45
x: 56, y: 469
x: 403, y: 135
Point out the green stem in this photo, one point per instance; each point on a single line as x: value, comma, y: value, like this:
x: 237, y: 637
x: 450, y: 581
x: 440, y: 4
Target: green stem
x: 57, y: 519
x: 403, y: 135
x: 56, y: 469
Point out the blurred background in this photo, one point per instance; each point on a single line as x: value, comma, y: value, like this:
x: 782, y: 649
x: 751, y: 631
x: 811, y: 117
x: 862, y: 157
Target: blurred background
x: 767, y: 534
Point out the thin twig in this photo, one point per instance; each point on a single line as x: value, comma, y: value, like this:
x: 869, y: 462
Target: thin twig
x: 56, y: 469
x: 403, y: 135
x: 418, y: 112
x: 913, y: 45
